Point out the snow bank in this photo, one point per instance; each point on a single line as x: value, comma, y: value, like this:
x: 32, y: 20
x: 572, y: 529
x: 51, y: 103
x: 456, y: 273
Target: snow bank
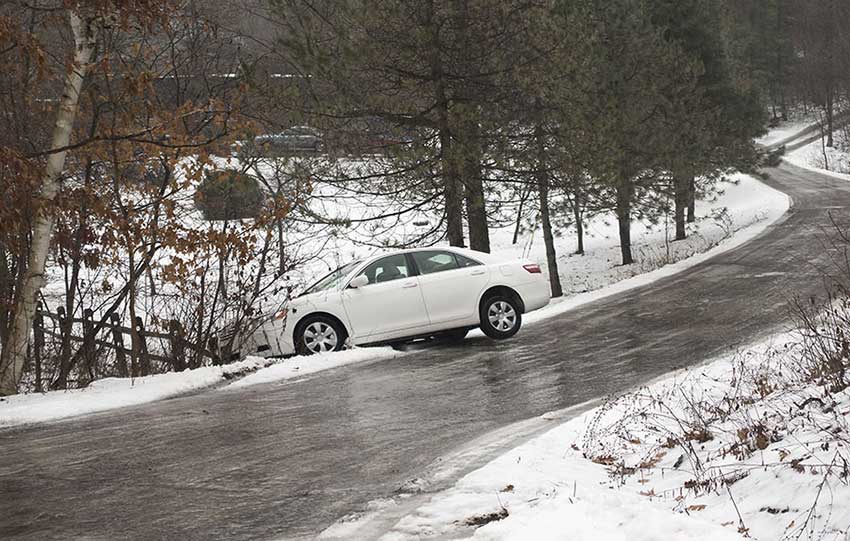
x: 815, y: 156
x: 301, y: 366
x: 723, y: 451
x: 811, y: 157
x: 110, y: 393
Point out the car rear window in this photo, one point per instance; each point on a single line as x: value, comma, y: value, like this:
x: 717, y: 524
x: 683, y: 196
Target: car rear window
x: 432, y: 261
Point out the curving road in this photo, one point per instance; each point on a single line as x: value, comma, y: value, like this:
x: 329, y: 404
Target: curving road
x: 287, y: 459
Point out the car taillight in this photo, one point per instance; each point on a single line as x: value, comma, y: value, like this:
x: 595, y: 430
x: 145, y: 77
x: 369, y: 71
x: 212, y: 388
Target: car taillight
x: 280, y: 314
x: 533, y: 268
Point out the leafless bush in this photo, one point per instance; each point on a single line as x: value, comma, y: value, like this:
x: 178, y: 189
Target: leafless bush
x: 716, y: 426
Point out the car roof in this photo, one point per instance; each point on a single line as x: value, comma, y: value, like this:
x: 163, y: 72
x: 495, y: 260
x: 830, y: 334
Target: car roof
x: 474, y: 254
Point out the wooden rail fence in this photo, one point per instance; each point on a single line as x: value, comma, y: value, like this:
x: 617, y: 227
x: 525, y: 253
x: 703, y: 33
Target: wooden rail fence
x: 126, y: 342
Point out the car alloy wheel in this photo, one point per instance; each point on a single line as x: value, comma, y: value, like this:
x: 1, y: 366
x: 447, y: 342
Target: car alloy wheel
x: 320, y: 337
x: 502, y: 316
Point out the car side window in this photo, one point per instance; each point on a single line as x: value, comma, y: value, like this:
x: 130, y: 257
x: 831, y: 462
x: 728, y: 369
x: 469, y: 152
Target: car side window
x: 432, y: 261
x: 387, y: 269
x: 464, y: 261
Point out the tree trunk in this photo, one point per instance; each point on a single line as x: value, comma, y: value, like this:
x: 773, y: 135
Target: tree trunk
x: 135, y: 339
x: 829, y: 119
x: 267, y: 242
x: 522, y: 198
x: 7, y: 291
x: 451, y: 192
x: 692, y: 199
x: 681, y: 191
x: 624, y: 219
x: 476, y: 210
x: 449, y: 172
x: 281, y: 264
x: 548, y: 238
x: 15, y: 351
x: 543, y: 192
x: 577, y: 217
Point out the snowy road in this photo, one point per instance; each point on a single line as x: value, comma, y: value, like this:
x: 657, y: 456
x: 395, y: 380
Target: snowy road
x: 288, y: 459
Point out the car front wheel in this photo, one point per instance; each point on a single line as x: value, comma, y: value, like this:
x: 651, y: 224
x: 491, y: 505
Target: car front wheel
x: 319, y: 334
x: 500, y: 317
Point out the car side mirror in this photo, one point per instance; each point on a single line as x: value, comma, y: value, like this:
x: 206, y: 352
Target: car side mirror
x: 359, y: 281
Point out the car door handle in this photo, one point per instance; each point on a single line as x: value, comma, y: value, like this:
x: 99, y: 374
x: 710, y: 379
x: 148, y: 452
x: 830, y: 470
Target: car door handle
x: 477, y: 272
x: 409, y: 284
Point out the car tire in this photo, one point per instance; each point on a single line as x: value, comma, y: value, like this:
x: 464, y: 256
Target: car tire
x: 453, y: 336
x: 319, y: 334
x: 500, y: 316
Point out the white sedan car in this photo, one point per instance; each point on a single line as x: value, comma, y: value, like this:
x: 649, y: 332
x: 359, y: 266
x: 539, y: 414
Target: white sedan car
x: 404, y: 295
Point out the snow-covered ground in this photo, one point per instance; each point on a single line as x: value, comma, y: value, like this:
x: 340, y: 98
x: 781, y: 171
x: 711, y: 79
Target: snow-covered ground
x: 303, y: 366
x: 110, y: 393
x: 833, y: 161
x: 743, y: 204
x: 745, y: 446
x: 786, y: 130
x: 741, y: 211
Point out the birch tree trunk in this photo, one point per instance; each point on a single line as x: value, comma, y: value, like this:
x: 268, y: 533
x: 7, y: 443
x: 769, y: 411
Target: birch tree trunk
x: 15, y: 350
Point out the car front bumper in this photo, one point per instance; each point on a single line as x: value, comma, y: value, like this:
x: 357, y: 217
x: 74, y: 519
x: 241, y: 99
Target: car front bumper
x: 270, y: 340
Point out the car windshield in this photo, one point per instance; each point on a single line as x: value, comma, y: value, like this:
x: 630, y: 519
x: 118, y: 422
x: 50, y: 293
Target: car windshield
x: 333, y: 279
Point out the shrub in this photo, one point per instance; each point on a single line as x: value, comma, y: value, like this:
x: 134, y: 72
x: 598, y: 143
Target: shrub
x: 229, y: 195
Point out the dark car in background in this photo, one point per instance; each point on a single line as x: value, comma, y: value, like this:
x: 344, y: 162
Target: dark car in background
x: 294, y: 140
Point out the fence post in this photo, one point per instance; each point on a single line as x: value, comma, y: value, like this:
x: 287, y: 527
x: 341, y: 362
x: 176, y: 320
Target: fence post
x: 88, y: 342
x: 38, y: 344
x: 140, y: 348
x: 65, y: 329
x: 178, y: 345
x: 118, y: 338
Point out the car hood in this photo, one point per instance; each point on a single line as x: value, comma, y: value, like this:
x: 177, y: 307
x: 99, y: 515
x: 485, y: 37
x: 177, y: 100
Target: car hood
x: 311, y: 298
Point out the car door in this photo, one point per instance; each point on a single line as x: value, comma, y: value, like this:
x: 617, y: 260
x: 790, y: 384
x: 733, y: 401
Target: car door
x: 451, y: 284
x: 390, y: 305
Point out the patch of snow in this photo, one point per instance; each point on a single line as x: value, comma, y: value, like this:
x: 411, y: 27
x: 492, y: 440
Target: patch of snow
x: 110, y: 393
x: 811, y: 157
x: 303, y: 365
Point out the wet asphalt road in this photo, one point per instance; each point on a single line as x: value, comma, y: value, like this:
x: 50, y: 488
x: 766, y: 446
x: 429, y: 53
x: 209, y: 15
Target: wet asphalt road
x: 287, y: 459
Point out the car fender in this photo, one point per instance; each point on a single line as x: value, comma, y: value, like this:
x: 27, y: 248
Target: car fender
x: 492, y: 284
x: 329, y: 302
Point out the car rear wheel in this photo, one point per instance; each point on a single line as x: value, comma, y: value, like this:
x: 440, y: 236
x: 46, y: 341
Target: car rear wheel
x: 319, y: 334
x: 500, y: 317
